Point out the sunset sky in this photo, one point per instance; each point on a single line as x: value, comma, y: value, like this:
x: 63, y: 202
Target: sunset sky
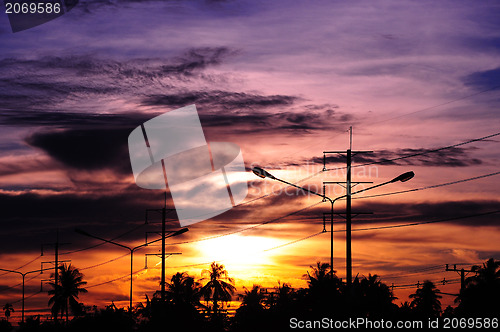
x: 284, y: 80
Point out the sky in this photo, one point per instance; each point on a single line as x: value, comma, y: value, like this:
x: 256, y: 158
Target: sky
x: 418, y: 82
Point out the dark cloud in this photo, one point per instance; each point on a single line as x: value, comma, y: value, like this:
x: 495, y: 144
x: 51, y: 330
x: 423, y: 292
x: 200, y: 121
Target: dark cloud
x: 220, y: 99
x: 452, y: 157
x: 29, y: 219
x: 44, y: 82
x: 71, y: 120
x: 87, y: 149
x: 483, y: 80
x: 86, y: 141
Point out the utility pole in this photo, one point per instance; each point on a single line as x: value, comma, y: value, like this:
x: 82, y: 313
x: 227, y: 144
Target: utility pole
x: 23, y: 275
x: 462, y: 275
x: 56, y: 261
x: 348, y: 186
x: 163, y: 212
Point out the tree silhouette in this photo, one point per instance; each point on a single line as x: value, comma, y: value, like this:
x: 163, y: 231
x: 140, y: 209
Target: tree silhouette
x: 426, y: 300
x: 324, y: 293
x: 183, y: 291
x: 219, y: 288
x: 250, y: 316
x: 144, y: 311
x: 371, y: 297
x: 8, y: 308
x: 65, y: 294
x: 481, y: 294
x: 253, y: 299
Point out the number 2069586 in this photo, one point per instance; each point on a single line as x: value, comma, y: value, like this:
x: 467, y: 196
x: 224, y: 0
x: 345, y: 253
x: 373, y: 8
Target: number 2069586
x: 32, y: 8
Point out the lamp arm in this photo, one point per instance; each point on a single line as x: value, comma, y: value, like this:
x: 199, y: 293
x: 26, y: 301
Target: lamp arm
x: 369, y: 188
x: 309, y: 191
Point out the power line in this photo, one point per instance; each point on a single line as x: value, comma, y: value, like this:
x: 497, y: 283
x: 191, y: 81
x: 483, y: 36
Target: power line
x: 430, y: 187
x: 103, y: 263
x: 246, y: 228
x: 265, y: 250
x: 313, y: 175
x: 113, y: 280
x: 26, y: 297
x: 423, y: 222
x: 204, y: 239
x: 421, y: 153
x: 100, y: 244
x: 31, y: 261
x: 293, y: 242
x: 418, y: 284
x: 438, y: 105
x: 19, y: 284
x: 302, y: 239
x: 400, y: 276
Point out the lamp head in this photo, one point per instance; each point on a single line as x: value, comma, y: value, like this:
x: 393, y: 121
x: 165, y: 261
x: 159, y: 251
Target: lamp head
x: 404, y: 177
x: 262, y: 173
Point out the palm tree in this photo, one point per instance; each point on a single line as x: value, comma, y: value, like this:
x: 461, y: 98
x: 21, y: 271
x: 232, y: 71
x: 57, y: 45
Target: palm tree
x: 253, y: 299
x: 184, y: 293
x: 8, y: 308
x: 373, y: 297
x: 251, y: 315
x: 319, y: 275
x: 482, y: 291
x: 65, y: 295
x: 219, y: 288
x: 426, y: 300
x: 323, y: 292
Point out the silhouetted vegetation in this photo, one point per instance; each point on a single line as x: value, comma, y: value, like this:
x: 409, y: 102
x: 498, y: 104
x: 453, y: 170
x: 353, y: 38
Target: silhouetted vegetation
x: 7, y: 309
x: 426, y: 301
x: 65, y: 293
x: 481, y: 295
x: 192, y: 304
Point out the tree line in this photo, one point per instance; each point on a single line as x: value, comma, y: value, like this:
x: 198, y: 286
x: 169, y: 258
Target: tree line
x: 202, y: 304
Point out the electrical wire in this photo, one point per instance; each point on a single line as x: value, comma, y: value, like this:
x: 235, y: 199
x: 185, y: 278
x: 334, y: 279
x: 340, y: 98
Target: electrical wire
x: 103, y: 263
x: 429, y: 187
x: 422, y: 223
x: 313, y: 175
x: 113, y: 280
x: 19, y: 284
x: 293, y: 242
x: 438, y: 105
x: 26, y: 297
x: 31, y: 261
x: 100, y: 244
x: 246, y: 228
x: 420, y: 153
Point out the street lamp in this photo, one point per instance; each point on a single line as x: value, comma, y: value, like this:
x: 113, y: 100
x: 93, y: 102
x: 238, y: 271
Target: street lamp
x: 264, y: 174
x: 24, y: 275
x: 179, y: 232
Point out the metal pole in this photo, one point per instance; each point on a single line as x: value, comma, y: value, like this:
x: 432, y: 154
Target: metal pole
x: 22, y: 310
x: 56, y: 273
x: 163, y: 212
x: 462, y: 279
x: 348, y: 251
x: 331, y: 241
x: 131, y: 272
